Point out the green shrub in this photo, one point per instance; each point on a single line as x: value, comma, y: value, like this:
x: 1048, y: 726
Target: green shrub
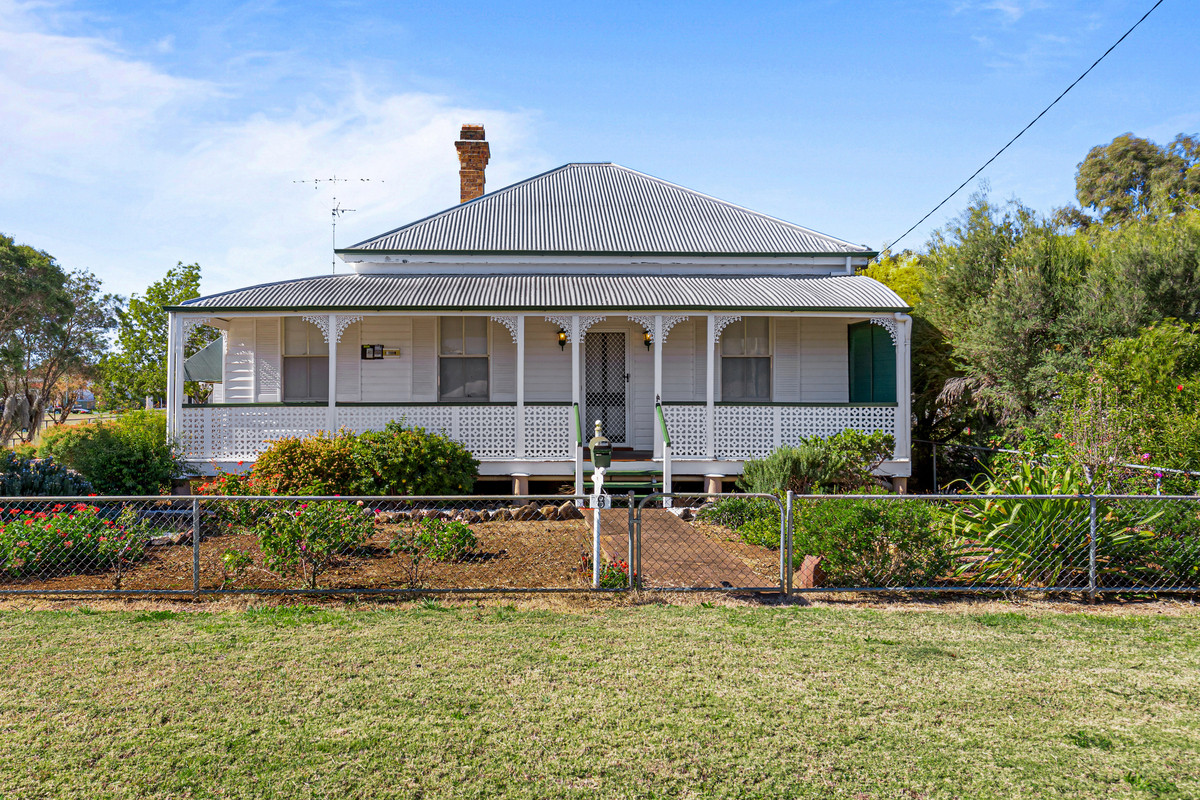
x: 67, y: 539
x: 25, y: 450
x: 130, y: 455
x: 872, y: 542
x: 842, y: 462
x: 396, y: 460
x: 431, y: 539
x: 1043, y: 542
x: 734, y: 512
x: 310, y: 537
x: 25, y: 477
x: 321, y: 464
x: 404, y: 460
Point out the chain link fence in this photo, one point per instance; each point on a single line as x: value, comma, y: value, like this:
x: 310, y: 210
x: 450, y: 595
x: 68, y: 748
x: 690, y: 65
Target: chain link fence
x: 207, y: 545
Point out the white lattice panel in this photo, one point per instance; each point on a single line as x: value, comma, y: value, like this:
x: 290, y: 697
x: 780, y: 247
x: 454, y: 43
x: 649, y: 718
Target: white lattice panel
x: 799, y: 421
x: 548, y: 432
x: 744, y: 431
x: 240, y: 434
x: 688, y: 428
x: 227, y: 433
x: 487, y: 431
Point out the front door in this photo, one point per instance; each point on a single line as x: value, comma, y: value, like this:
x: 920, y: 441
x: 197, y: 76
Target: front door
x: 605, y: 376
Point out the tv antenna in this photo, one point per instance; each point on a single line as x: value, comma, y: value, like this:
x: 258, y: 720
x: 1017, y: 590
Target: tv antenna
x: 336, y: 210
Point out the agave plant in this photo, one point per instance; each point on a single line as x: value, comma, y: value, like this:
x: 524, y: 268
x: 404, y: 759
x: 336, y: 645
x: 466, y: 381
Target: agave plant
x: 1040, y: 541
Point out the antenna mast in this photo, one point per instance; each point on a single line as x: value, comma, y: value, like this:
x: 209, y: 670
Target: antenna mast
x: 336, y: 210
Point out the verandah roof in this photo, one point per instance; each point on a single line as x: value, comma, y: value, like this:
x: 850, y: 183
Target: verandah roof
x: 612, y: 293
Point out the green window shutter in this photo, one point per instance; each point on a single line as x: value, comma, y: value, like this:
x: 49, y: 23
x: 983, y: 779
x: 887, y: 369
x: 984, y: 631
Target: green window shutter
x: 860, y: 362
x: 883, y: 366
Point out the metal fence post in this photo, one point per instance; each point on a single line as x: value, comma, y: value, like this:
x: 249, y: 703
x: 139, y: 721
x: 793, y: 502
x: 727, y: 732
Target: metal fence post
x: 637, y: 544
x: 786, y: 546
x: 196, y: 546
x: 1092, y: 549
x: 629, y: 551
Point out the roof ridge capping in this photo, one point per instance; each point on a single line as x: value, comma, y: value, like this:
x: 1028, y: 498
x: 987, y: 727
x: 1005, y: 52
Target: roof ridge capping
x: 604, y: 208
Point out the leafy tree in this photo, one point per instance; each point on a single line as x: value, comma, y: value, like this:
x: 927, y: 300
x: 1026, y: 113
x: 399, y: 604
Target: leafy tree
x: 55, y: 325
x: 1150, y: 385
x: 1133, y: 178
x: 138, y: 368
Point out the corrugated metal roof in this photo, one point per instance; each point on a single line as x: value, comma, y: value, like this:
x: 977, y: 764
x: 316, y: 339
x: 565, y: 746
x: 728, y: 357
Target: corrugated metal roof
x: 603, y: 208
x: 612, y: 293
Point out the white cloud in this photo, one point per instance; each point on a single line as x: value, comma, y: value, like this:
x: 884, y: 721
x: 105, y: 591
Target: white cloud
x: 115, y: 165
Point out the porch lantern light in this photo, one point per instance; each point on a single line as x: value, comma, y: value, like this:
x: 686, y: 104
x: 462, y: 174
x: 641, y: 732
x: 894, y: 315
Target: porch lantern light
x: 562, y: 339
x: 647, y: 340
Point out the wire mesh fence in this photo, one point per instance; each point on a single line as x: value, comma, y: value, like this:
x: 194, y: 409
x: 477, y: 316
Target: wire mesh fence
x: 730, y: 542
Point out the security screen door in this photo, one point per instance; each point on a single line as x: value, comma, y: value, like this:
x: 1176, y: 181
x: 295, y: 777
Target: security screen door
x: 605, y: 377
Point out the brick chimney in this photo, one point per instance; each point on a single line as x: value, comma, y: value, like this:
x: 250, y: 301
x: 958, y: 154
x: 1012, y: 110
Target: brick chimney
x: 473, y: 156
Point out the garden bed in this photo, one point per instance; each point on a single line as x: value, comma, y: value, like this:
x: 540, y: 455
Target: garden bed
x: 509, y: 554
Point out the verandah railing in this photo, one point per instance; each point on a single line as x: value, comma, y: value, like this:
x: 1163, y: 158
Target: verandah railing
x: 235, y: 432
x: 752, y: 430
x: 1084, y: 545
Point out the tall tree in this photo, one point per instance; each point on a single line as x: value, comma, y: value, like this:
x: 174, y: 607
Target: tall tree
x: 1133, y: 178
x: 138, y: 367
x: 54, y: 323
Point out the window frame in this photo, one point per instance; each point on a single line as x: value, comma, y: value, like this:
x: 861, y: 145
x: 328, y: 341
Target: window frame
x: 769, y: 357
x: 486, y: 356
x: 308, y: 356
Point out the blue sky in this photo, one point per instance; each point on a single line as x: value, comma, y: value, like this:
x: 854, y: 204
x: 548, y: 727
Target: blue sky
x: 141, y: 134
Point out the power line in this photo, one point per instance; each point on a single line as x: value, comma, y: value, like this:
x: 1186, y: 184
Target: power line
x: 975, y: 174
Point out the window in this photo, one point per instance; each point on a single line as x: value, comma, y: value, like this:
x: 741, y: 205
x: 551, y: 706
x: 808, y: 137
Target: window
x: 872, y: 364
x: 463, y: 358
x: 305, y: 362
x: 746, y: 360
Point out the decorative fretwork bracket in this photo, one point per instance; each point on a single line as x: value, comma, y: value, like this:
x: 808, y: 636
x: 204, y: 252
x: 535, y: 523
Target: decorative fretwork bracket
x: 568, y: 324
x: 720, y: 322
x: 889, y: 325
x: 340, y: 323
x: 191, y: 323
x: 509, y: 321
x: 647, y: 322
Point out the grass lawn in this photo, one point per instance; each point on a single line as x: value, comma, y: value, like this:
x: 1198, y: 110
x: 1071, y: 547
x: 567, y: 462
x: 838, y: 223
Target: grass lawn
x: 431, y: 700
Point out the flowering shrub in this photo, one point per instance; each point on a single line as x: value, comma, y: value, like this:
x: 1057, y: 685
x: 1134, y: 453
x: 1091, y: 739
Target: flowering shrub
x: 433, y: 540
x: 67, y: 539
x: 613, y: 574
x: 231, y: 513
x: 320, y: 464
x: 308, y: 538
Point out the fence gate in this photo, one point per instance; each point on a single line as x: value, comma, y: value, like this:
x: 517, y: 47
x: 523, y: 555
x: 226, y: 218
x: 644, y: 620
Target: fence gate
x: 685, y: 547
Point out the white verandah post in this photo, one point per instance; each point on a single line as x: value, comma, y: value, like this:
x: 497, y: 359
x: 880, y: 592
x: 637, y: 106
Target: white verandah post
x: 175, y: 387
x: 575, y: 399
x: 658, y: 381
x: 711, y: 385
x: 331, y: 339
x: 519, y: 448
x: 903, y: 386
x: 170, y: 398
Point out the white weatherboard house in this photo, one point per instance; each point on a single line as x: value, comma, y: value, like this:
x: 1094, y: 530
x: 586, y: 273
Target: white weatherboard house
x: 700, y: 333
